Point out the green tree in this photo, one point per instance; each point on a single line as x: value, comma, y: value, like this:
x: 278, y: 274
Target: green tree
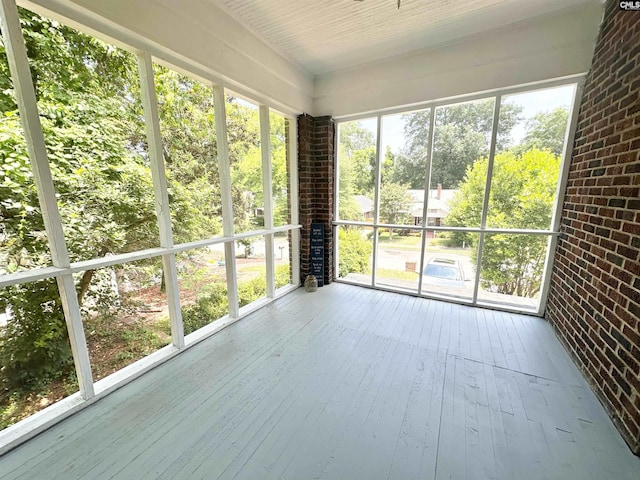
x: 546, y: 131
x: 410, y: 168
x: 279, y: 169
x: 354, y: 137
x: 455, y: 147
x: 187, y: 125
x: 357, y: 168
x: 357, y: 152
x: 89, y: 101
x: 462, y: 135
x: 395, y: 204
x: 522, y: 193
x: 90, y: 114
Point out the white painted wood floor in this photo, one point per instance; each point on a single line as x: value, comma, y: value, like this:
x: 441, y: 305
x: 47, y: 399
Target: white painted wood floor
x: 347, y: 383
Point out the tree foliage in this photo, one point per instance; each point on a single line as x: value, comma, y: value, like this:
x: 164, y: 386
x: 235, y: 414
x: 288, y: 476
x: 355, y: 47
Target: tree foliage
x: 462, y: 135
x: 395, y: 203
x: 357, y: 151
x: 546, y: 131
x: 522, y: 193
x: 91, y: 113
x: 187, y: 125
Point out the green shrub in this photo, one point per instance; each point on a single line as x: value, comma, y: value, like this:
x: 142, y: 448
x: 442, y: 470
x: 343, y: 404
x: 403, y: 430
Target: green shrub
x: 283, y: 275
x: 214, y: 304
x: 251, y: 290
x: 34, y: 345
x: 354, y: 252
x: 209, y: 307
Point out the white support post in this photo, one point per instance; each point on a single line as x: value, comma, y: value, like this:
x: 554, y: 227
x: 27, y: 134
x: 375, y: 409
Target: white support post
x: 225, y: 193
x: 27, y: 106
x: 376, y: 204
x: 336, y: 204
x: 154, y: 140
x: 293, y: 201
x: 487, y: 191
x: 267, y: 195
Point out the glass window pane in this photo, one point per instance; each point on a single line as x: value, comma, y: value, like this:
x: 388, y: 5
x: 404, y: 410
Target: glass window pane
x: 89, y: 102
x: 449, y: 264
x: 355, y: 249
x: 251, y: 270
x: 125, y: 314
x: 202, y: 281
x: 187, y: 125
x: 23, y: 241
x: 459, y: 163
x: 527, y: 166
x: 282, y: 253
x: 36, y: 365
x: 512, y: 267
x: 357, y: 169
x: 405, y: 141
x: 398, y: 259
x: 280, y: 169
x: 243, y: 132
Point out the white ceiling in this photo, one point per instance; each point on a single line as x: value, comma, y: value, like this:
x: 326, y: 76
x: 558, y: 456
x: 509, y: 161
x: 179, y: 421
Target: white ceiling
x: 328, y: 35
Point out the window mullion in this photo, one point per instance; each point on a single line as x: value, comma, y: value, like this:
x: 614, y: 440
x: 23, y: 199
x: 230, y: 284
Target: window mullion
x: 427, y: 186
x: 29, y: 116
x: 154, y: 140
x: 376, y: 201
x: 487, y: 191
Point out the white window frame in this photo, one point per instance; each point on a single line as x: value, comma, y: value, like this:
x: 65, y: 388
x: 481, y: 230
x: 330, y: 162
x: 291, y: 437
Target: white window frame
x: 575, y: 80
x: 62, y: 269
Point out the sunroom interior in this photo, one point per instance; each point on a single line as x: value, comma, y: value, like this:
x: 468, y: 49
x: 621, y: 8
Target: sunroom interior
x: 461, y: 179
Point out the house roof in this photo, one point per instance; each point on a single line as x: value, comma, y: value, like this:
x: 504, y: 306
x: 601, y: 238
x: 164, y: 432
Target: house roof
x: 365, y: 204
x: 438, y: 207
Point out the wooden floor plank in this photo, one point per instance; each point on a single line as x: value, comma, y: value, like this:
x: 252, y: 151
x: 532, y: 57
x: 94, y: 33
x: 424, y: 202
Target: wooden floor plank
x: 347, y: 382
x: 416, y: 446
x: 480, y: 459
x: 450, y: 462
x: 500, y: 449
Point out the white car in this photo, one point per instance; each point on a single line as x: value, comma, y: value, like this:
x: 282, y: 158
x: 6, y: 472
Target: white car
x: 443, y: 272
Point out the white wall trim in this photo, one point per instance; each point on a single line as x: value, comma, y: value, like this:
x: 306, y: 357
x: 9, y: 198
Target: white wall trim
x: 555, y: 46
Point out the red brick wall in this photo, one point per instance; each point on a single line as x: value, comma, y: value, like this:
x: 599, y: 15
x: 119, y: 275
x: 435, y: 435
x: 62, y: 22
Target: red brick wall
x: 316, y: 171
x: 594, y: 302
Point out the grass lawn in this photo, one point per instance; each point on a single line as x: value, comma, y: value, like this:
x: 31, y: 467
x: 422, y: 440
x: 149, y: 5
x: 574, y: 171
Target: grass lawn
x: 462, y: 252
x: 398, y: 240
x: 396, y: 274
x: 412, y: 243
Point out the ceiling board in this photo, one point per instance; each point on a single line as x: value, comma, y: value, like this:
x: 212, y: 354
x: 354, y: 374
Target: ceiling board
x: 328, y: 35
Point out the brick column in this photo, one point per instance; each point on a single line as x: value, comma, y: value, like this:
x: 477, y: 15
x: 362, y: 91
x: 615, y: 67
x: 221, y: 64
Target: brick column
x: 316, y: 160
x: 594, y: 301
